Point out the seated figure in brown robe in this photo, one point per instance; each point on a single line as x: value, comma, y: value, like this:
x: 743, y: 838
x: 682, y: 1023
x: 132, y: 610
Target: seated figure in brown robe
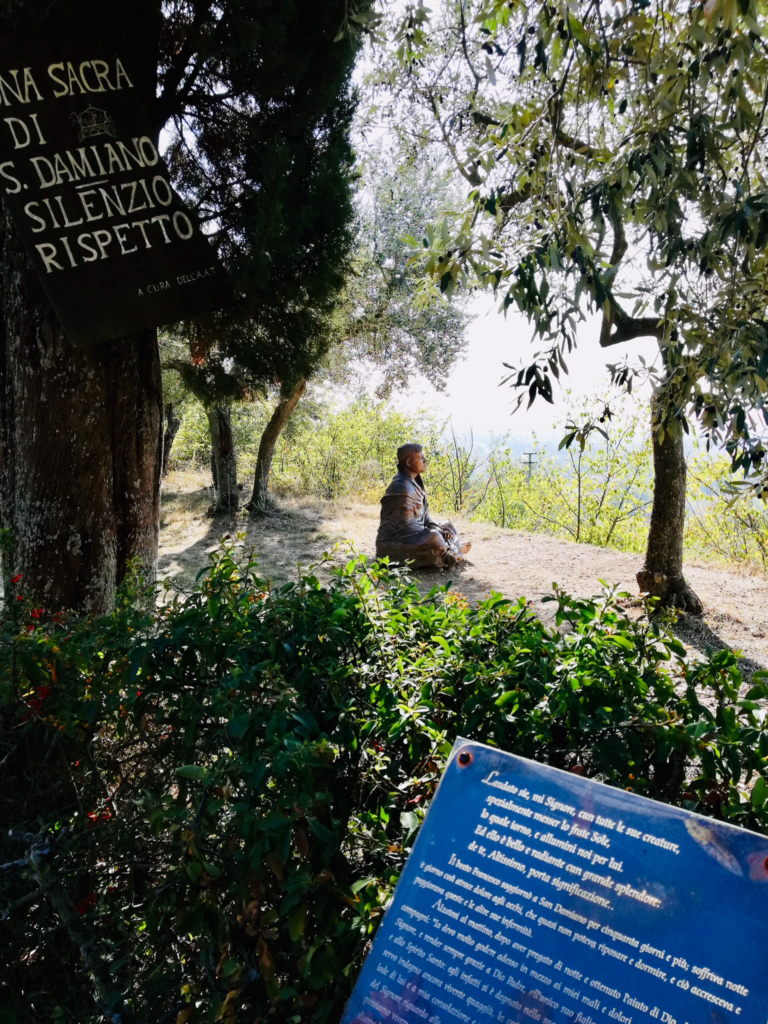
x: 407, y: 532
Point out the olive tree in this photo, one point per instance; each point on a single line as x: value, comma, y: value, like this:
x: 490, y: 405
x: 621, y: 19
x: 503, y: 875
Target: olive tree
x: 613, y: 156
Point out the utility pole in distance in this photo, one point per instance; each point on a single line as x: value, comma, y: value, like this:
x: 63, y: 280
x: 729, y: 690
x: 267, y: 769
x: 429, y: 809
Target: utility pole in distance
x: 530, y: 463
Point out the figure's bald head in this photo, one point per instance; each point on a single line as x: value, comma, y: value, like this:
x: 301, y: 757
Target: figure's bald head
x: 406, y: 452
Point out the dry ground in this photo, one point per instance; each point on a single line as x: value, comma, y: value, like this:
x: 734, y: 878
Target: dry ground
x: 511, y: 562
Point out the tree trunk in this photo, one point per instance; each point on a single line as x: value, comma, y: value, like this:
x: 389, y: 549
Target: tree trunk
x: 214, y: 474
x: 662, y: 575
x: 223, y: 459
x: 80, y: 464
x: 172, y: 424
x: 260, y: 501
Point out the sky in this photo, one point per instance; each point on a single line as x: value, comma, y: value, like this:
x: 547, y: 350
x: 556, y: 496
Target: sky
x: 473, y: 398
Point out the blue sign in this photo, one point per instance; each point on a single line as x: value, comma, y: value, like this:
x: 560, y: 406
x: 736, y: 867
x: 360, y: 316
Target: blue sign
x: 534, y: 895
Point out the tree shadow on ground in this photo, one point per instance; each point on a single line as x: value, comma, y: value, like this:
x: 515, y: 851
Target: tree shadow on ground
x: 303, y: 534
x: 285, y: 543
x: 704, y: 640
x: 182, y: 566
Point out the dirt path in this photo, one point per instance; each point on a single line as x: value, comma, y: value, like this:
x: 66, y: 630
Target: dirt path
x: 511, y: 562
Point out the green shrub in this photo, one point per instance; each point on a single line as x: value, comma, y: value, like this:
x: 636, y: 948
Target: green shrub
x: 600, y: 494
x: 210, y: 804
x: 348, y: 452
x: 720, y: 524
x: 192, y: 445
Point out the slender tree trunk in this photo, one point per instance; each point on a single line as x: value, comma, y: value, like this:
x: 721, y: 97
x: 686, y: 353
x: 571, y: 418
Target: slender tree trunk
x: 223, y: 459
x: 81, y: 449
x: 662, y: 575
x: 259, y: 502
x: 172, y: 424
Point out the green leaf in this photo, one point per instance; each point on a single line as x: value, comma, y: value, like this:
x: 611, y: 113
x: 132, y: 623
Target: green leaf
x: 507, y: 698
x: 296, y: 922
x: 255, y: 777
x: 193, y: 771
x: 238, y: 726
x: 194, y: 869
x: 409, y: 820
x: 577, y: 30
x: 621, y: 641
x: 443, y: 643
x: 361, y: 883
x: 322, y: 831
x: 759, y: 792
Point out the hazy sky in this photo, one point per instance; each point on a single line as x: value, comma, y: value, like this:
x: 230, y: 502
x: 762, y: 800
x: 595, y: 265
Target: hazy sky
x: 473, y: 398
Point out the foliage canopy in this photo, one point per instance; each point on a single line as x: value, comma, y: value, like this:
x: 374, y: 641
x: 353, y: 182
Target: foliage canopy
x: 261, y: 148
x: 385, y: 322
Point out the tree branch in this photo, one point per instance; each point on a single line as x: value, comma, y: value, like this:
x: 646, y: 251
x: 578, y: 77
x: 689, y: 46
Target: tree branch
x: 512, y: 199
x: 577, y: 146
x: 471, y: 176
x: 628, y: 328
x: 617, y: 327
x: 553, y: 115
x: 464, y: 45
x: 172, y: 100
x: 166, y: 104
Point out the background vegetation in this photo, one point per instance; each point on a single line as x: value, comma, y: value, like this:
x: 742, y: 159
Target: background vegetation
x: 599, y: 495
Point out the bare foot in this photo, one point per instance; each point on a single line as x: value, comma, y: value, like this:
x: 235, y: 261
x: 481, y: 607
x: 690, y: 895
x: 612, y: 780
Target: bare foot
x: 466, y: 547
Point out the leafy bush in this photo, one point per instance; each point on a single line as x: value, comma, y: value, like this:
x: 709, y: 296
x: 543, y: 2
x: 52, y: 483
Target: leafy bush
x: 599, y: 495
x: 349, y: 451
x: 730, y: 527
x: 323, y: 451
x: 209, y: 804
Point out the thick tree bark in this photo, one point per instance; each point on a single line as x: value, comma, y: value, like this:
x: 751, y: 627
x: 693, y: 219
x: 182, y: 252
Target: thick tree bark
x: 172, y: 424
x: 662, y: 575
x: 223, y: 459
x: 81, y: 449
x: 260, y: 501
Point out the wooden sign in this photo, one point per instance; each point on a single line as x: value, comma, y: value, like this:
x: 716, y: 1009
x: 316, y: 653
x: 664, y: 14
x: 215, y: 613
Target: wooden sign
x: 534, y: 895
x: 115, y: 247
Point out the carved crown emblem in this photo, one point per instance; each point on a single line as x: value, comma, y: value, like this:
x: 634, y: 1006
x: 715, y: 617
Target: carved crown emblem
x: 94, y: 121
